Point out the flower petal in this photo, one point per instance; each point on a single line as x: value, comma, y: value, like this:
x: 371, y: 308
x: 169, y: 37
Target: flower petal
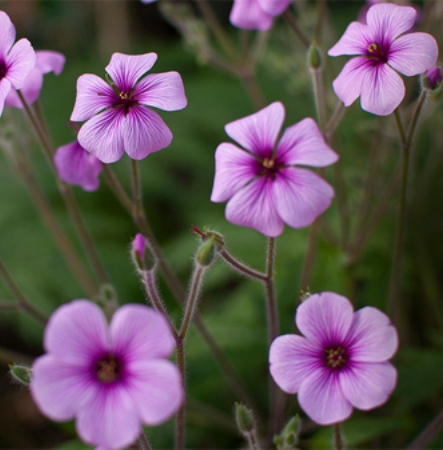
x: 259, y: 131
x: 162, y: 90
x: 253, y: 206
x: 93, y: 96
x: 234, y: 168
x: 159, y: 383
x: 372, y: 337
x: 325, y: 318
x: 300, y: 196
x: 50, y: 61
x: 5, y: 87
x: 109, y: 418
x: 348, y: 84
x: 413, y: 53
x: 144, y: 132
x: 7, y: 36
x: 303, y: 144
x: 102, y: 135
x: 30, y: 90
x: 140, y: 333
x: 355, y: 40
x: 59, y: 387
x: 382, y: 90
x: 322, y: 399
x: 20, y: 61
x: 274, y: 7
x: 125, y: 70
x: 248, y: 14
x: 367, y: 385
x: 76, y: 333
x: 292, y: 358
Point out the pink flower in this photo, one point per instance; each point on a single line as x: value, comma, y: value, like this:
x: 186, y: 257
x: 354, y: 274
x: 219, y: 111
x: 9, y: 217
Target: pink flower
x: 256, y: 14
x: 46, y: 61
x: 16, y: 61
x: 110, y: 378
x: 433, y: 78
x: 262, y: 182
x: 76, y: 166
x: 384, y: 48
x: 117, y: 115
x: 341, y: 363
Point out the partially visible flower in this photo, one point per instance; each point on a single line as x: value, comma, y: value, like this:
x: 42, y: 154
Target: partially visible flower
x: 117, y: 115
x: 341, y: 363
x: 76, y: 166
x: 262, y: 181
x: 46, y: 61
x: 112, y: 379
x: 16, y: 60
x: 148, y: 1
x: 433, y: 78
x: 383, y: 48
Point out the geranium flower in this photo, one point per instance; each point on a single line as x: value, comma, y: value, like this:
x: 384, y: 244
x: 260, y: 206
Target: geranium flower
x: 16, y: 60
x: 76, y: 166
x: 110, y: 378
x: 340, y: 363
x: 384, y: 48
x: 117, y: 114
x: 46, y: 61
x: 262, y: 181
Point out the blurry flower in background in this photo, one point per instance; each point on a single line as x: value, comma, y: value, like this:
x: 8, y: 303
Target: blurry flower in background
x: 117, y: 116
x: 433, y: 78
x: 16, y: 60
x: 383, y: 48
x: 262, y: 182
x: 112, y: 379
x: 46, y: 61
x: 340, y: 363
x: 76, y: 166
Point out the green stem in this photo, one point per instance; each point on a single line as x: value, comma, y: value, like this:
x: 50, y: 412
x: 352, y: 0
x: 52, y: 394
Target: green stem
x: 338, y: 437
x: 428, y: 433
x: 143, y: 442
x: 293, y: 24
x: 180, y: 416
x: 241, y: 268
x: 319, y: 23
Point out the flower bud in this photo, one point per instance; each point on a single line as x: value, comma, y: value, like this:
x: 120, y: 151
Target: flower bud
x: 20, y: 373
x: 142, y: 256
x: 432, y: 79
x: 207, y: 251
x: 244, y: 418
x: 314, y: 57
x: 288, y: 438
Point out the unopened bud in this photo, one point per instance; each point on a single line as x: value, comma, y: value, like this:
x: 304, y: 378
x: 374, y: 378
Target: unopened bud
x: 107, y: 299
x: 207, y: 251
x: 244, y: 418
x: 20, y: 373
x: 314, y: 57
x: 432, y: 79
x: 141, y: 254
x: 288, y: 438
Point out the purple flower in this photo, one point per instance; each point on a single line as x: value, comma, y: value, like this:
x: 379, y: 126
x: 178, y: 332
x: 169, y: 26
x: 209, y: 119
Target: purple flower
x: 384, y: 48
x: 76, y: 166
x: 117, y: 115
x: 111, y: 378
x: 16, y: 61
x: 46, y: 61
x: 432, y: 78
x: 341, y: 363
x: 262, y: 182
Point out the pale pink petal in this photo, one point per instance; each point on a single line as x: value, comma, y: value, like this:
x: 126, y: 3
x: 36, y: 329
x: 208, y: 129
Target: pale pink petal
x: 144, y: 132
x: 125, y: 70
x: 162, y: 90
x: 20, y: 61
x: 300, y: 196
x: 253, y: 207
x: 7, y: 35
x: 59, y: 388
x: 355, y: 40
x: 322, y: 399
x: 292, y: 358
x: 77, y: 333
x: 50, y: 61
x: 382, y: 90
x: 325, y: 318
x: 102, y: 135
x: 348, y: 84
x: 367, y: 385
x: 140, y: 333
x: 372, y: 337
x: 5, y: 87
x: 387, y: 21
x: 109, y: 418
x: 249, y: 15
x: 274, y: 7
x: 160, y: 383
x: 30, y: 90
x: 234, y: 168
x: 93, y: 95
x: 413, y: 53
x: 303, y: 144
x: 259, y: 131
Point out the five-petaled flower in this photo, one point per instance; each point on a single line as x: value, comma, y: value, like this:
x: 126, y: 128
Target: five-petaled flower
x: 117, y: 115
x: 16, y: 60
x: 384, y: 48
x: 111, y: 378
x: 262, y: 182
x: 341, y: 363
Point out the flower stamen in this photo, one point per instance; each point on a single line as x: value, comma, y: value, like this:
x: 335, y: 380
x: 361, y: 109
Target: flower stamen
x: 268, y: 163
x: 108, y: 369
x: 336, y: 357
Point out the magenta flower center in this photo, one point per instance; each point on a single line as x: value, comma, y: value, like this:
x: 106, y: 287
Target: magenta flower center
x: 335, y: 357
x: 125, y: 101
x: 108, y: 369
x: 3, y: 69
x: 377, y: 53
x: 268, y: 166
